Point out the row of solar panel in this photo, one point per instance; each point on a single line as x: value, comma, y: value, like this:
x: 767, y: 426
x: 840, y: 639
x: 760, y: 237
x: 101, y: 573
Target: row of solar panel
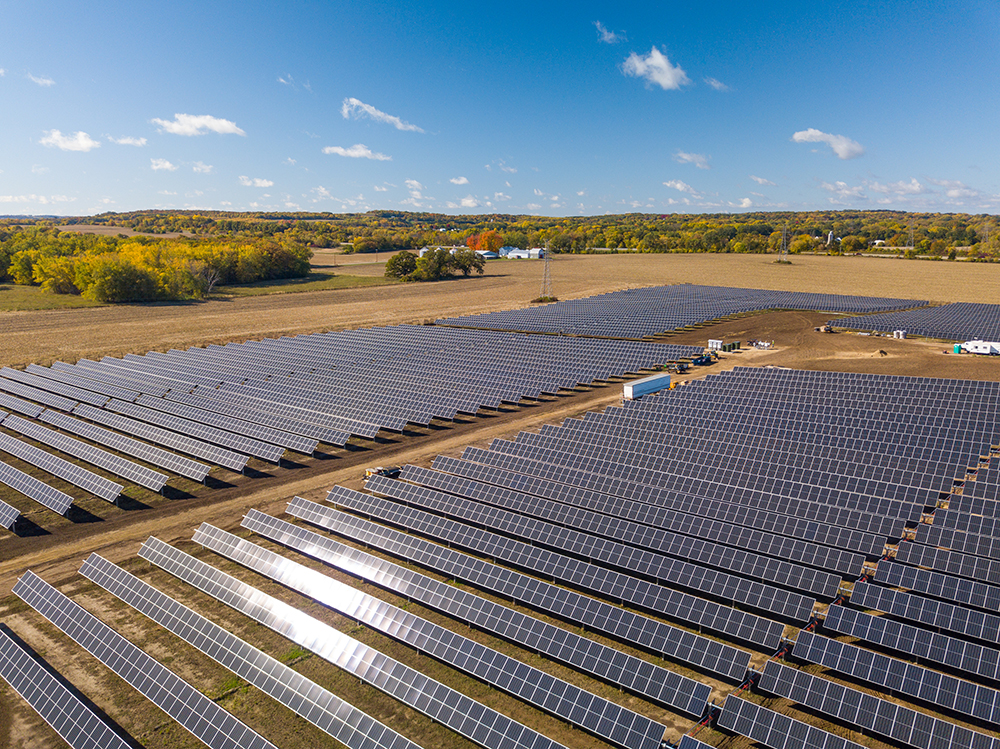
x: 959, y: 321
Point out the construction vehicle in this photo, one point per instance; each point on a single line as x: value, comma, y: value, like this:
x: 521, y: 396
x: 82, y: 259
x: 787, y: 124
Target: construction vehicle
x: 391, y: 472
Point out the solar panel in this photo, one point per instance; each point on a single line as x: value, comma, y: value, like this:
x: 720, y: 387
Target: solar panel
x: 583, y: 709
x: 114, y: 464
x: 34, y: 489
x: 942, y: 690
x: 58, y: 705
x: 601, y: 661
x: 930, y: 647
x: 862, y: 710
x: 775, y: 730
x: 8, y: 515
x: 52, y: 386
x: 22, y: 407
x: 322, y: 708
x: 936, y: 584
x: 34, y: 394
x: 218, y: 455
x: 74, y: 474
x: 201, y: 716
x: 627, y: 626
x: 119, y: 442
x: 608, y: 583
x: 443, y: 704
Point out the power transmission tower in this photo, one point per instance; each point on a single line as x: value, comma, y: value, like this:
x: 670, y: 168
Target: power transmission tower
x: 546, y: 278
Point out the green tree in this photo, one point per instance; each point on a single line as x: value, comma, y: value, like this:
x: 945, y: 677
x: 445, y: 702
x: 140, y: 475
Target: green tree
x: 434, y: 265
x: 400, y: 265
x: 468, y: 261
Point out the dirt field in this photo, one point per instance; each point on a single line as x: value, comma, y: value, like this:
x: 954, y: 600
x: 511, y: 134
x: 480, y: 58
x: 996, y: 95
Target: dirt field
x: 44, y: 336
x: 68, y: 335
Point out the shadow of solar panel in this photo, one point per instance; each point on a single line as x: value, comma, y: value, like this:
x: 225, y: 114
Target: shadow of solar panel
x: 198, y: 714
x: 60, y: 707
x: 775, y: 730
x: 916, y: 682
x: 319, y: 706
x: 862, y: 710
x: 34, y: 489
x: 450, y: 708
x: 649, y: 634
x: 114, y: 464
x: 604, y: 551
x: 583, y: 709
x: 74, y: 474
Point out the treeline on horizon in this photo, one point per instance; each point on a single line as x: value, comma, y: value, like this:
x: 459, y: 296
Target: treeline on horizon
x: 220, y: 247
x: 142, y: 269
x: 931, y: 233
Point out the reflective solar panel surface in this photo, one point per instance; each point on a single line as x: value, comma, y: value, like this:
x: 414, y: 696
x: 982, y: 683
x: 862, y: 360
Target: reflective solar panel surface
x: 201, y: 716
x: 74, y: 720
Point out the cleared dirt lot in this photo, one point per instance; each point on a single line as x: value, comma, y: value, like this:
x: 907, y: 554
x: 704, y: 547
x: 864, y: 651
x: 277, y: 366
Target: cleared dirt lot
x: 47, y: 335
x: 68, y: 335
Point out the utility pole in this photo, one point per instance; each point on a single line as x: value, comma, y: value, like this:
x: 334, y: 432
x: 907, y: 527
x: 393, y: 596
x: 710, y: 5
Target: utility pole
x: 546, y: 276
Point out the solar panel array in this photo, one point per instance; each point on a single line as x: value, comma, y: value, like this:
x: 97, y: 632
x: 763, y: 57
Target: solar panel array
x: 960, y: 321
x: 583, y: 709
x: 637, y: 313
x: 194, y: 711
x: 305, y: 697
x: 773, y: 480
x: 487, y: 727
x: 602, y: 661
x: 58, y: 705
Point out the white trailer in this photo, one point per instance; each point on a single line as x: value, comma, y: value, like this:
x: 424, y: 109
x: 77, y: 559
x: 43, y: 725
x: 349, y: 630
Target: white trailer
x: 991, y: 348
x: 645, y: 386
x: 715, y: 344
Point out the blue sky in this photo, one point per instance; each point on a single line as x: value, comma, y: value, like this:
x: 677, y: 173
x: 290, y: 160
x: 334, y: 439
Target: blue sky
x: 543, y: 108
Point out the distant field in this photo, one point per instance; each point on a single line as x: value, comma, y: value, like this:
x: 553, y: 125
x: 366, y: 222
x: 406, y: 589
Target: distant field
x: 68, y: 334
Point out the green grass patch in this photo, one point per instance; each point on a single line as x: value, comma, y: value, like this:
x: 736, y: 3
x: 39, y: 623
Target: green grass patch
x: 15, y: 298
x: 295, y: 654
x: 312, y: 282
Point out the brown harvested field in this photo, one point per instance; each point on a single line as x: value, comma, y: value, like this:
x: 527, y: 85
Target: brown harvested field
x: 68, y: 335
x: 46, y: 335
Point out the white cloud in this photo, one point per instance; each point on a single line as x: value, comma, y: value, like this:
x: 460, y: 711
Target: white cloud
x: 699, y: 160
x: 197, y: 124
x: 38, y: 169
x: 161, y: 165
x: 681, y: 186
x: 608, y: 37
x: 43, y: 81
x: 40, y: 199
x: 656, y: 68
x: 459, y: 181
x: 955, y: 189
x: 843, y: 190
x: 532, y: 206
x: 79, y: 141
x: 2, y: 72
x: 469, y: 202
x: 128, y: 141
x: 898, y: 188
x: 255, y: 182
x: 357, y: 151
x: 716, y: 84
x: 202, y: 168
x: 322, y: 194
x: 412, y: 184
x: 745, y: 203
x: 290, y: 161
x: 352, y: 108
x: 287, y: 81
x: 501, y: 197
x: 762, y: 181
x: 381, y: 189
x: 844, y: 147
